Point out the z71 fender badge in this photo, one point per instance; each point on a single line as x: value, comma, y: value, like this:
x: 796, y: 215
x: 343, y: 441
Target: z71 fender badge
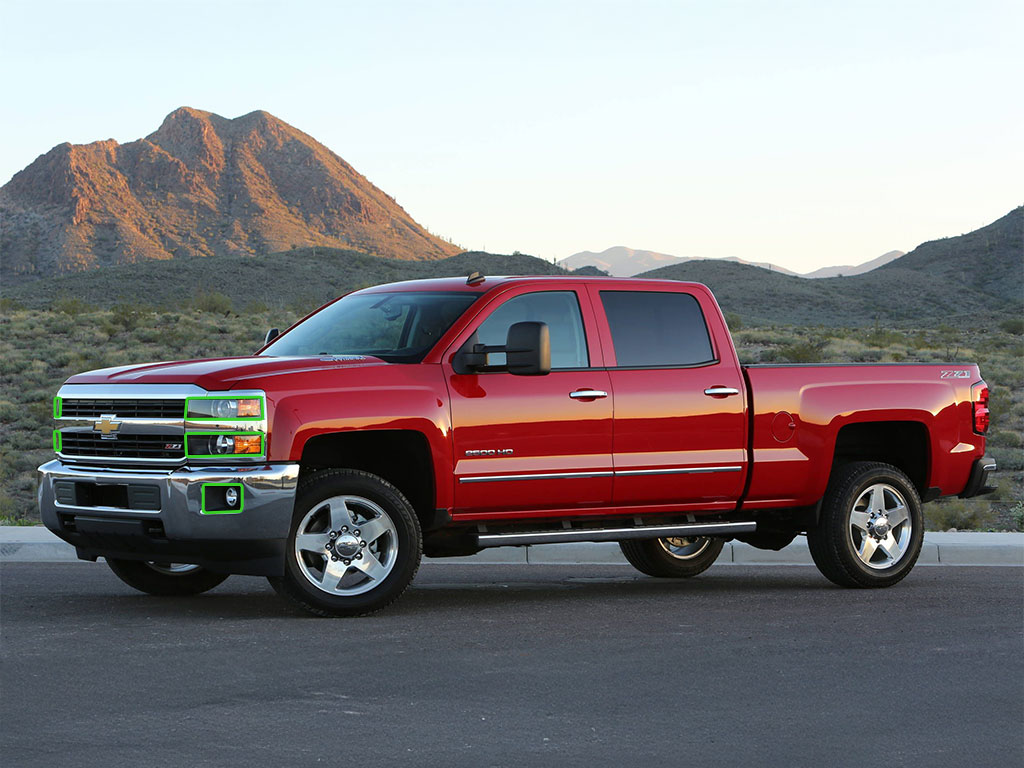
x: 491, y: 452
x: 955, y: 375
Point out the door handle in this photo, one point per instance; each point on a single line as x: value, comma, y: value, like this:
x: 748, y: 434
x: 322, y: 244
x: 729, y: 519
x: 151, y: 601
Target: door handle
x: 721, y: 391
x: 587, y: 394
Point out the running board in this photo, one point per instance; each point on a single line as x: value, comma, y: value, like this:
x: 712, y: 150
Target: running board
x: 485, y: 540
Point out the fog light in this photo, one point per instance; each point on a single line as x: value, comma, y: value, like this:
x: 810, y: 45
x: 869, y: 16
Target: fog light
x: 222, y: 498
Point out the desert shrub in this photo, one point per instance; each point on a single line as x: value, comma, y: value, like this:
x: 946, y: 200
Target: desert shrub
x: 72, y: 305
x: 1014, y: 325
x: 734, y: 321
x: 881, y: 337
x: 962, y: 514
x: 212, y: 301
x: 1008, y: 438
x: 810, y: 351
x: 128, y: 316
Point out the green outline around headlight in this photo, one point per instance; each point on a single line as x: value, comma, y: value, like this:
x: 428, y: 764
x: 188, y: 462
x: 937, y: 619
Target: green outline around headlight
x: 260, y: 435
x: 263, y: 408
x: 58, y: 406
x: 58, y: 442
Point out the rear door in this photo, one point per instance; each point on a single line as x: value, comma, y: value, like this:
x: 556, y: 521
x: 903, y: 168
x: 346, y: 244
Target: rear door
x: 680, y: 418
x: 527, y: 444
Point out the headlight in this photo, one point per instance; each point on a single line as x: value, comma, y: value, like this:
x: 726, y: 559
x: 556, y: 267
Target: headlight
x: 224, y: 408
x: 212, y: 446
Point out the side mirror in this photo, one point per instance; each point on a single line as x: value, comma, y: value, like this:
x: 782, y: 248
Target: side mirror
x: 528, y: 349
x: 272, y: 334
x: 527, y: 352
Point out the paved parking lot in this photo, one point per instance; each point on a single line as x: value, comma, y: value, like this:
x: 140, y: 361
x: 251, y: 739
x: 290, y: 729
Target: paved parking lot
x: 519, y: 665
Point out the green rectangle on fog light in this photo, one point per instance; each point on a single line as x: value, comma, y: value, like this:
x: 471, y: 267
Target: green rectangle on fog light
x: 230, y: 511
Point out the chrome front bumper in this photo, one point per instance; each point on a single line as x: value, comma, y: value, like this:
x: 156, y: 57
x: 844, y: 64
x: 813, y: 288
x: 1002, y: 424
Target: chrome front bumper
x: 174, y: 525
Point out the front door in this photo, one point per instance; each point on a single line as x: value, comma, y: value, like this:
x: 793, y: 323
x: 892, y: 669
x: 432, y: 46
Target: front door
x: 526, y: 445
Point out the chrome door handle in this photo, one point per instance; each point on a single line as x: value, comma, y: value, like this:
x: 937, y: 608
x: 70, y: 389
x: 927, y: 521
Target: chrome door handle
x: 587, y: 394
x: 721, y: 391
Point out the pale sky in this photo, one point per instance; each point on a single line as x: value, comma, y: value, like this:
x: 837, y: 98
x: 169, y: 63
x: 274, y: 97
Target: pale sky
x: 803, y: 133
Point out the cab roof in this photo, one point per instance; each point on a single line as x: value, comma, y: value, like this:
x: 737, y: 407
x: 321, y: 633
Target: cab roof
x: 491, y: 282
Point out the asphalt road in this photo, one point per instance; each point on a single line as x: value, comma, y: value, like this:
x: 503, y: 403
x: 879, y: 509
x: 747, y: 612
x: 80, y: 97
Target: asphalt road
x: 519, y: 665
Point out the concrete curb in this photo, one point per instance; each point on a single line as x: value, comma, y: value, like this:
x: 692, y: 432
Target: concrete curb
x: 35, y: 544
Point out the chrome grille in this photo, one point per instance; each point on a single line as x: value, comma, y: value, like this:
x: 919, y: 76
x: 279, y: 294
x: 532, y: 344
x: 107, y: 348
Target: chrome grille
x: 123, y: 409
x: 126, y: 446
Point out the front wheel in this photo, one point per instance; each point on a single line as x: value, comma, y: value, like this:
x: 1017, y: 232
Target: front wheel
x: 672, y: 558
x: 354, y: 547
x: 165, y: 579
x: 871, y: 526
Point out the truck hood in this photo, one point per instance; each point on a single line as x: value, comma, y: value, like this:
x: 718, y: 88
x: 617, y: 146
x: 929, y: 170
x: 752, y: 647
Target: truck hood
x: 222, y: 373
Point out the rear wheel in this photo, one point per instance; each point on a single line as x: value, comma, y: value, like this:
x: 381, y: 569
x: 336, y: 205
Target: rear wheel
x: 165, y: 579
x: 673, y: 558
x: 871, y: 527
x: 354, y: 546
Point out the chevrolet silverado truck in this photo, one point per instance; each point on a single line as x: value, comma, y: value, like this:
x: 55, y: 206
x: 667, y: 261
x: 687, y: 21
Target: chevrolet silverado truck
x: 443, y: 417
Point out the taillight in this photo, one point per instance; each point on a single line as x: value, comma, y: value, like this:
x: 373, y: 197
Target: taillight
x: 979, y: 399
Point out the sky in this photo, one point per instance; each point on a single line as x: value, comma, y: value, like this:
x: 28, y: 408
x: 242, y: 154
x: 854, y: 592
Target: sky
x: 802, y: 133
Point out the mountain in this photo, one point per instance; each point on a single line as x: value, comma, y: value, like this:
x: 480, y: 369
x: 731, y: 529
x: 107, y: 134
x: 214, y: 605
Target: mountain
x: 200, y: 185
x: 303, y: 278
x: 975, y: 278
x: 854, y: 269
x: 620, y: 261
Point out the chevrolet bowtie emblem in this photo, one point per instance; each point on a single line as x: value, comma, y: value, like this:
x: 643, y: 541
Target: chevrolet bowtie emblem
x: 107, y: 425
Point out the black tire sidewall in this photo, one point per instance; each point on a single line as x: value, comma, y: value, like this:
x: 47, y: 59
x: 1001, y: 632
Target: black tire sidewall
x: 139, y: 575
x: 648, y: 556
x: 325, y: 485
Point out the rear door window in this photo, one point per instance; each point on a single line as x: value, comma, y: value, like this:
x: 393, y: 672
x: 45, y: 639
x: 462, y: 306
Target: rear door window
x: 652, y: 329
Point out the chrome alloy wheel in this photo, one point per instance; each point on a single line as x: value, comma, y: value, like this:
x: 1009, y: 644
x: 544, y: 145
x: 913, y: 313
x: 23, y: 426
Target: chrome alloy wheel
x: 685, y: 547
x: 346, y: 545
x: 880, y: 526
x: 173, y: 569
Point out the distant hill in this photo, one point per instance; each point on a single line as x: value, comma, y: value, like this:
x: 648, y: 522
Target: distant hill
x: 200, y: 185
x: 975, y: 277
x: 620, y: 261
x: 989, y: 260
x: 854, y: 269
x: 303, y: 278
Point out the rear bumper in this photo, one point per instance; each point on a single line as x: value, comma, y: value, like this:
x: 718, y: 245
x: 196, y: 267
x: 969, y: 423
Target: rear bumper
x: 979, y: 481
x: 100, y: 512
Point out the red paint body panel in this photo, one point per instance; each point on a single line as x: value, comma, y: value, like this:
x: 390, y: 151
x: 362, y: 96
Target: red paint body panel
x: 823, y: 399
x: 614, y: 449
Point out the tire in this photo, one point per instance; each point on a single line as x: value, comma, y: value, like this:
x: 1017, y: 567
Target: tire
x: 870, y: 530
x: 165, y: 579
x: 354, y: 546
x: 672, y: 558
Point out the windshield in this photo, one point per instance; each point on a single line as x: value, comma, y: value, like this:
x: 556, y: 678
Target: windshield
x: 399, y: 327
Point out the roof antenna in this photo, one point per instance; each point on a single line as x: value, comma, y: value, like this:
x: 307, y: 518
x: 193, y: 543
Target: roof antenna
x: 475, y: 278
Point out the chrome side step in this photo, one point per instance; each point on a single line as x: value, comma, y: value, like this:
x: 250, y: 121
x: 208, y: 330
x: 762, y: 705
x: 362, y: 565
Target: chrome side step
x: 485, y: 540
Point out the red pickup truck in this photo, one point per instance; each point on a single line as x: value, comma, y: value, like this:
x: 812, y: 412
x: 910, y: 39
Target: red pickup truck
x: 442, y: 417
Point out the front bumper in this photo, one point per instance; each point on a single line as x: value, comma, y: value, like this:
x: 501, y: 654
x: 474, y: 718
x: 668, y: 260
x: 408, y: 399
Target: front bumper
x: 174, y: 526
x: 979, y: 481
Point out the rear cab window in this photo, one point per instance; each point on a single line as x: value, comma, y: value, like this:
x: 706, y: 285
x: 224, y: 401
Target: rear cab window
x: 657, y: 329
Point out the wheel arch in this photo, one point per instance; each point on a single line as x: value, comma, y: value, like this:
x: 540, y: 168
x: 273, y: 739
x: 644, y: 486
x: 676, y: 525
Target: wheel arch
x: 400, y: 456
x: 903, y: 444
